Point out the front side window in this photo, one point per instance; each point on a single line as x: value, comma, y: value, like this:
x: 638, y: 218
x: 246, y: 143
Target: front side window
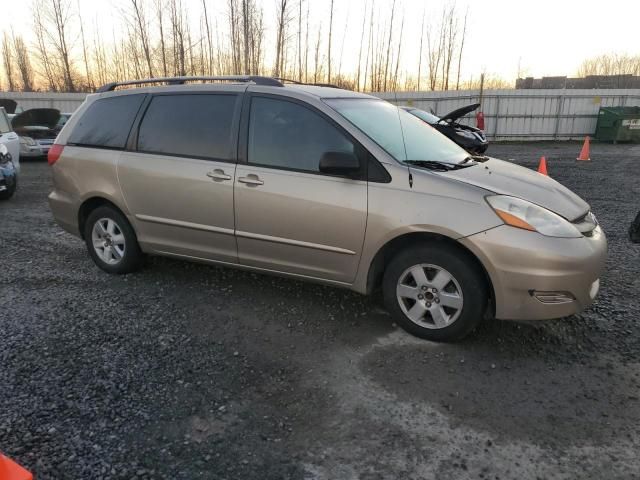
x: 106, y: 122
x: 197, y: 126
x: 403, y: 136
x: 284, y: 134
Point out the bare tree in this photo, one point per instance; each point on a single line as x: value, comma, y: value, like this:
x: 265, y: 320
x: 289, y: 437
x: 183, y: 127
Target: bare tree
x: 48, y: 68
x: 364, y: 19
x: 329, y: 44
x: 386, y: 62
x: 420, y: 51
x: 7, y: 61
x: 284, y: 17
x: 610, y: 64
x: 23, y: 64
x: 57, y: 14
x: 464, y: 34
x: 85, y: 56
x: 143, y: 32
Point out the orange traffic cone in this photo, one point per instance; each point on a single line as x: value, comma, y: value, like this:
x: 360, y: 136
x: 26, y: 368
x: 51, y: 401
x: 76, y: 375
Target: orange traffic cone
x: 584, y: 153
x: 542, y: 168
x: 10, y: 470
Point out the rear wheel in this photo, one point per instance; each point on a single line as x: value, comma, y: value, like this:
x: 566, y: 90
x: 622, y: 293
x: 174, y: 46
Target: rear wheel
x: 111, y: 241
x: 11, y: 189
x: 435, y: 292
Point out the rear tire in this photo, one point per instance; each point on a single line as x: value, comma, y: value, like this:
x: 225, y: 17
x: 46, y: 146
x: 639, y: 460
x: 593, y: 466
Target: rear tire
x: 111, y: 241
x: 11, y: 189
x: 435, y: 292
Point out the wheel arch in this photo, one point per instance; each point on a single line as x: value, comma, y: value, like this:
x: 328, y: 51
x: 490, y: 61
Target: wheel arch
x: 397, y: 244
x: 89, y: 205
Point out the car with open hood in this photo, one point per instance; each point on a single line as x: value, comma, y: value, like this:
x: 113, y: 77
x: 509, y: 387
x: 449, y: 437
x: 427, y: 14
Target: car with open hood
x: 37, y: 128
x: 325, y: 185
x: 470, y: 138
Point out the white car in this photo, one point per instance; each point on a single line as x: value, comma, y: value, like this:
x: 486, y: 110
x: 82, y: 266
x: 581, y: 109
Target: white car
x: 37, y: 128
x: 9, y: 138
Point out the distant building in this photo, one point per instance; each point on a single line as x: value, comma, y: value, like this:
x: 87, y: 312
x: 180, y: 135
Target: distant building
x: 590, y: 81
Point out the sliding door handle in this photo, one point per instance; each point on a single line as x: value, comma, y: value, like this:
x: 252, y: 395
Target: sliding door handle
x: 251, y: 180
x: 218, y: 175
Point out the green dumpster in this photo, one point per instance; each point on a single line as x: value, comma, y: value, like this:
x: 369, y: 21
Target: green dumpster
x: 618, y: 124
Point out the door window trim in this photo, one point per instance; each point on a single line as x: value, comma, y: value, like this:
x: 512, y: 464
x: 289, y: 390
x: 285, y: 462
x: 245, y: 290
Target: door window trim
x: 132, y: 141
x: 243, y: 142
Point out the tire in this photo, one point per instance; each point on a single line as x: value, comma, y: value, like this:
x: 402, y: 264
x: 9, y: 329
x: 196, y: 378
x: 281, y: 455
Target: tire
x: 116, y: 247
x: 446, y: 303
x: 8, y: 193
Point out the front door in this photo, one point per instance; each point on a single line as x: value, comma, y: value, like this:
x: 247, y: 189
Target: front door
x: 290, y: 217
x: 178, y: 185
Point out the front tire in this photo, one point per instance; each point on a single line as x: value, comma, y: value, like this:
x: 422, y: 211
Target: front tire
x: 435, y: 292
x: 111, y: 241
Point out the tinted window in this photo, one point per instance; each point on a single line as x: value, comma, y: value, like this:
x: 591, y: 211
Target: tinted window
x: 107, y: 122
x: 198, y: 126
x: 288, y: 135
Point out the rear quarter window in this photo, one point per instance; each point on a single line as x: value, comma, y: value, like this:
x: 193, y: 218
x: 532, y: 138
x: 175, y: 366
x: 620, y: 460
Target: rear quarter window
x: 107, y: 122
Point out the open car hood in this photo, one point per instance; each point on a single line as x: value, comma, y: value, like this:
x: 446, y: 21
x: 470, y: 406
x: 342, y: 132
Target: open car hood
x: 41, y: 117
x: 509, y: 179
x: 9, y: 105
x: 460, y: 112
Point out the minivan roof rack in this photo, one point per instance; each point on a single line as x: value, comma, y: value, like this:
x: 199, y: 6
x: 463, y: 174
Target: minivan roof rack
x: 296, y: 82
x: 258, y: 80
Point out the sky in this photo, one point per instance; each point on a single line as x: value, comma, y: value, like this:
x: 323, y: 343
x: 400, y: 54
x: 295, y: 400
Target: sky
x: 535, y: 37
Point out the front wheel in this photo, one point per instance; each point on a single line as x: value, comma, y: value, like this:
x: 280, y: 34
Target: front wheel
x: 435, y: 292
x: 111, y: 241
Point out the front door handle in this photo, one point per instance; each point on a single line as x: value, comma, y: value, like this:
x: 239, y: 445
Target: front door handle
x: 251, y: 179
x: 218, y: 175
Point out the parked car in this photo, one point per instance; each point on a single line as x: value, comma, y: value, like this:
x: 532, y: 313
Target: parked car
x: 62, y: 121
x: 8, y: 174
x: 37, y: 130
x: 326, y: 185
x: 9, y: 138
x: 470, y: 138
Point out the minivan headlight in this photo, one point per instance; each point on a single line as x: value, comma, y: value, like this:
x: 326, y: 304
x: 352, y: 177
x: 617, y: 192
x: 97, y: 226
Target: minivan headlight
x: 27, y: 141
x: 520, y: 213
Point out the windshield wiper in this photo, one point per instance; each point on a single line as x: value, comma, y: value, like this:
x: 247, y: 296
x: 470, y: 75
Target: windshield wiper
x: 439, y: 166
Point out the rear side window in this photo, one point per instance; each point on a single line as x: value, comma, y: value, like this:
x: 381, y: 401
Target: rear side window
x: 196, y: 126
x: 107, y: 122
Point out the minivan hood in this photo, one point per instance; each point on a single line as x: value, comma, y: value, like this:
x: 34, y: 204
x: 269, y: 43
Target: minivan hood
x: 460, y: 112
x: 507, y: 178
x: 44, y: 117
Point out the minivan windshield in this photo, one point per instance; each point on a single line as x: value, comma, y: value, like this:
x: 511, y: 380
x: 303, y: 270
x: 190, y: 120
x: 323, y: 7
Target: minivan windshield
x: 403, y: 136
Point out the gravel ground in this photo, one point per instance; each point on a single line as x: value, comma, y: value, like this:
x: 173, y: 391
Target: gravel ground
x: 185, y: 371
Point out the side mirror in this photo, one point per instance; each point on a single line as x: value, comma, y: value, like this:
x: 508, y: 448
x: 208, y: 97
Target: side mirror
x: 339, y: 163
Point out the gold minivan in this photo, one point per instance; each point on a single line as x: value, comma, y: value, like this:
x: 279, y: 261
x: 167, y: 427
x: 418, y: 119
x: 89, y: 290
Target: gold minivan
x: 321, y: 184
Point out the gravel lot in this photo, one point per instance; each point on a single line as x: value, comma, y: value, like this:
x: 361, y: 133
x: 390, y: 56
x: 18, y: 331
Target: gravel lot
x: 186, y: 371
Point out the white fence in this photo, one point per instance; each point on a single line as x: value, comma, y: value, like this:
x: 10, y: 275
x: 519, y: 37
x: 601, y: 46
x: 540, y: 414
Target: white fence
x: 65, y: 102
x: 509, y: 114
x: 526, y: 114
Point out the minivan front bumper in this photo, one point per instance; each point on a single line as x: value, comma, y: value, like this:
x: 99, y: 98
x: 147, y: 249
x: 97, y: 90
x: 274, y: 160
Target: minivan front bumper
x: 536, y: 277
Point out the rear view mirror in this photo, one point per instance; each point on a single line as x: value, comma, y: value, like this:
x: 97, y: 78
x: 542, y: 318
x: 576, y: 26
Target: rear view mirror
x: 339, y: 163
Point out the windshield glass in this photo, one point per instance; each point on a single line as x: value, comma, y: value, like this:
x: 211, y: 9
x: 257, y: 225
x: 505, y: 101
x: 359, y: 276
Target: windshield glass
x: 426, y: 116
x: 403, y: 136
